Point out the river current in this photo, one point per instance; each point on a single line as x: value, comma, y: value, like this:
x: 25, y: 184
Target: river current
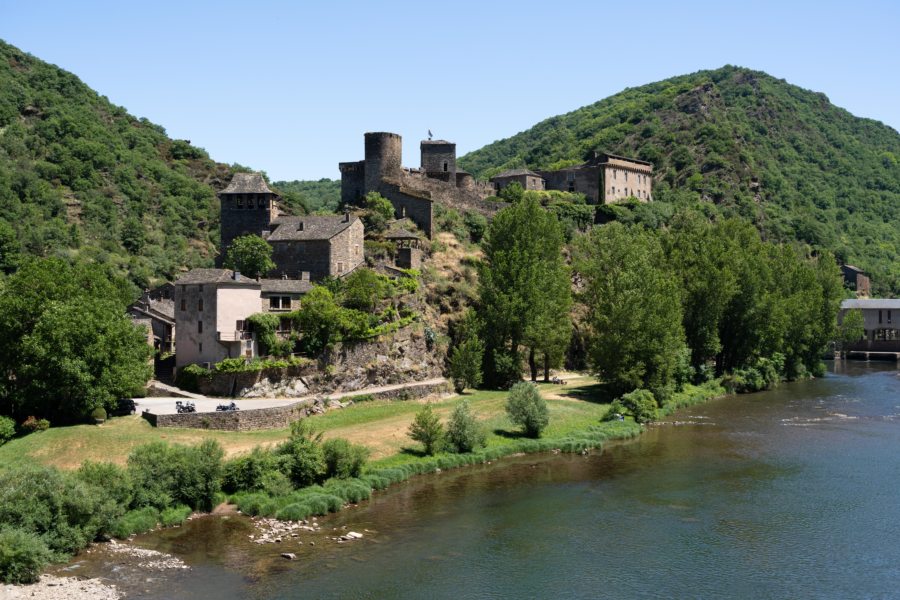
x: 791, y: 493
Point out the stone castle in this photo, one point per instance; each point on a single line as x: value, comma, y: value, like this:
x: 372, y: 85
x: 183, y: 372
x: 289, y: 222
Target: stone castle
x: 604, y: 178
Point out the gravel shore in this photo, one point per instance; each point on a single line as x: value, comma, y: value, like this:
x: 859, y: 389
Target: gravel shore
x: 50, y: 587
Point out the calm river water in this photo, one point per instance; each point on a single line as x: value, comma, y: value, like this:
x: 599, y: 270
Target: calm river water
x: 793, y: 493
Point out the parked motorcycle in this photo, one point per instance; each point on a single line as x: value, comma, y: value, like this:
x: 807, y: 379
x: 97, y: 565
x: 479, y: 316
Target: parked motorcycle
x: 227, y: 407
x: 185, y: 407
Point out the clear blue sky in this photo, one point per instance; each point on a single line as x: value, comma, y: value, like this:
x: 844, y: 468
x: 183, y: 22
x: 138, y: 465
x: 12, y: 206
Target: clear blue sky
x: 290, y: 87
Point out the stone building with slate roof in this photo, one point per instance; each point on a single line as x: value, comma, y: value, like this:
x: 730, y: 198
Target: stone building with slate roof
x: 412, y: 192
x: 529, y: 180
x: 212, y: 307
x: 604, y: 178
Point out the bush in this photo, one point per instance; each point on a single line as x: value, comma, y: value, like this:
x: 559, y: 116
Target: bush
x: 23, y: 555
x: 164, y: 475
x: 32, y: 425
x: 641, y: 404
x: 427, y: 429
x: 465, y: 364
x: 135, y: 521
x: 527, y: 409
x: 343, y: 459
x: 175, y: 515
x: 464, y: 432
x: 304, y: 461
x: 7, y: 429
x: 98, y: 415
x: 249, y: 472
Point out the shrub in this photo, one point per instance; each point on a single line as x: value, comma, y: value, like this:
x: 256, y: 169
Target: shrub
x: 465, y: 364
x: 7, y: 429
x: 175, y: 515
x: 343, y: 459
x: 135, y: 521
x: 427, y: 429
x: 164, y: 475
x: 477, y: 224
x: 464, y: 432
x: 32, y: 425
x: 98, y: 415
x: 641, y: 404
x: 249, y: 472
x: 23, y: 555
x: 527, y: 409
x: 293, y: 512
x: 304, y: 461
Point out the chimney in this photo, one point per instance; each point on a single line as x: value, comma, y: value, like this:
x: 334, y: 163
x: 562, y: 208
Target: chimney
x: 304, y: 275
x: 346, y: 216
x: 237, y: 276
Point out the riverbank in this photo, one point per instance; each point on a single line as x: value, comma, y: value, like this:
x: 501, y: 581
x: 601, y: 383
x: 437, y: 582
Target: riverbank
x: 51, y: 587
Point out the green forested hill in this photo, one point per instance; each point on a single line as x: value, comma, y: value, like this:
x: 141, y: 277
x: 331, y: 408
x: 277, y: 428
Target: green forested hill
x: 748, y: 144
x: 80, y: 177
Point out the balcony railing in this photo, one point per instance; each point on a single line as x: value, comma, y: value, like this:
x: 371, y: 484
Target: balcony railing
x: 235, y: 336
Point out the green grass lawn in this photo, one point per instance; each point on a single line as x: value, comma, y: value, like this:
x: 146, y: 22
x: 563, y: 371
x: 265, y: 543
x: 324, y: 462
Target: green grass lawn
x: 381, y: 425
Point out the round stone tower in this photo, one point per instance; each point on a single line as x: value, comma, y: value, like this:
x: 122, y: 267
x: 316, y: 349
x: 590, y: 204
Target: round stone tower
x: 384, y: 152
x: 439, y: 159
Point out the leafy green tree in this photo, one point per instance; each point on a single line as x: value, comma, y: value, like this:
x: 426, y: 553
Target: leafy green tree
x: 526, y: 408
x: 464, y: 432
x: 512, y: 193
x: 524, y: 286
x: 66, y: 346
x: 362, y: 289
x: 303, y: 455
x: 851, y: 328
x: 465, y: 364
x: 9, y: 248
x: 634, y: 314
x: 426, y: 428
x: 251, y: 255
x: 318, y: 320
x: 343, y: 459
x: 379, y: 211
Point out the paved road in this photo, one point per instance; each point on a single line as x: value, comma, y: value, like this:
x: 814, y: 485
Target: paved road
x: 166, y: 405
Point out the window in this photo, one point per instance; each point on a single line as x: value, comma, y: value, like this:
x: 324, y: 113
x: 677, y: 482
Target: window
x: 200, y: 304
x: 199, y: 326
x: 356, y: 250
x: 239, y: 325
x: 445, y: 166
x: 240, y: 201
x: 626, y: 175
x: 200, y: 347
x: 183, y: 304
x: 340, y: 266
x: 615, y: 172
x: 280, y: 303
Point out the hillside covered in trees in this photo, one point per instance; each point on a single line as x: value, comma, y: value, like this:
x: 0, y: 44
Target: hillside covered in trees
x: 745, y: 144
x: 83, y: 179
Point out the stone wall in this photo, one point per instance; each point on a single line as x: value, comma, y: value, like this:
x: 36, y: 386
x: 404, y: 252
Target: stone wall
x: 293, y: 257
x: 584, y: 180
x: 236, y: 221
x: 278, y: 417
x: 439, y: 157
x: 353, y: 182
x: 384, y: 153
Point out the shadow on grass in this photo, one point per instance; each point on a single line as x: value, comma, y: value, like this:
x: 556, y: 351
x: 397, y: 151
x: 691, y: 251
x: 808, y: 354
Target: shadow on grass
x: 597, y: 393
x: 510, y: 435
x: 413, y: 452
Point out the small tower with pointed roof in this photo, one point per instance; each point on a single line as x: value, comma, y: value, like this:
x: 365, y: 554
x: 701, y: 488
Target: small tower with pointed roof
x: 248, y: 206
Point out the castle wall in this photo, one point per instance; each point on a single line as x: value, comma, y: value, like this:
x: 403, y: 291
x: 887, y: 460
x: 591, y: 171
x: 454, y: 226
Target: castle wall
x: 583, y: 180
x: 621, y: 181
x: 410, y: 203
x: 439, y: 158
x: 353, y: 182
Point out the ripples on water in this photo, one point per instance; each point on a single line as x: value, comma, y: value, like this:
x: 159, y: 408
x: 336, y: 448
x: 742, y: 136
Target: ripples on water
x: 791, y: 493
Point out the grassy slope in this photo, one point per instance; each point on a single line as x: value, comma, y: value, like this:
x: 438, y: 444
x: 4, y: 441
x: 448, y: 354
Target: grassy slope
x: 380, y: 425
x: 755, y: 146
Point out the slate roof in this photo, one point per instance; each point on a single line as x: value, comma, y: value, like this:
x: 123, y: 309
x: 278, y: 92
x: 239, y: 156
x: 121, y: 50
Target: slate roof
x: 285, y: 286
x: 436, y: 142
x: 315, y: 227
x: 210, y: 276
x: 852, y: 268
x: 876, y: 303
x: 515, y: 173
x: 247, y: 183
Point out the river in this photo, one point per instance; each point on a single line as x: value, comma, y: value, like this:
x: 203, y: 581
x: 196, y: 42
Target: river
x: 791, y: 493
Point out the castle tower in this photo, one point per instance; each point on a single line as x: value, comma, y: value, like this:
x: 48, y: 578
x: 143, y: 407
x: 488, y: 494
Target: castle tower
x: 439, y: 160
x: 384, y: 152
x: 248, y: 206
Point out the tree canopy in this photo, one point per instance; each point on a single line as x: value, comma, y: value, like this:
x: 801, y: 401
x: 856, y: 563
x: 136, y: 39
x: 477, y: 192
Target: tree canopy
x: 251, y: 255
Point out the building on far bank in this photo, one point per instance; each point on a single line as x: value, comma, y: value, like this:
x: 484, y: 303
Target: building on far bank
x: 857, y: 280
x: 212, y: 307
x: 155, y: 309
x: 881, y: 317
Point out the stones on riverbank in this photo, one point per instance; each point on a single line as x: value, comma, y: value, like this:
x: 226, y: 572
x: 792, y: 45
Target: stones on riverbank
x: 148, y: 560
x: 50, y: 587
x: 273, y: 531
x: 288, y: 555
